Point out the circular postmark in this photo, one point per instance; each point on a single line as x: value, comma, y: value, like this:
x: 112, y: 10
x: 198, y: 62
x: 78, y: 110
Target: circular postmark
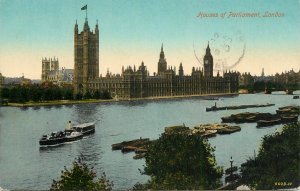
x: 227, y: 49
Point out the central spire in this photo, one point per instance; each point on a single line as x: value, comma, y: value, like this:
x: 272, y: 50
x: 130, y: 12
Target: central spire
x: 86, y: 25
x: 208, y: 49
x: 162, y: 54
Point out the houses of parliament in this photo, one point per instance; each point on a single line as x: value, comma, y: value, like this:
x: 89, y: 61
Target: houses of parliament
x: 136, y: 82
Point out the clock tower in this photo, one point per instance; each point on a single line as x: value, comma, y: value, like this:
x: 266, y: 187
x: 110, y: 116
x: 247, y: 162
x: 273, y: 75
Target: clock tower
x: 208, y: 63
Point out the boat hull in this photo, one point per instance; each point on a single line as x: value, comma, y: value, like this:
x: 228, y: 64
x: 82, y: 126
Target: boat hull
x: 267, y: 123
x: 88, y: 132
x: 50, y: 142
x: 70, y: 139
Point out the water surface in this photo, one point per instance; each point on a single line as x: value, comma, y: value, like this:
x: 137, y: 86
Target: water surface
x: 23, y: 165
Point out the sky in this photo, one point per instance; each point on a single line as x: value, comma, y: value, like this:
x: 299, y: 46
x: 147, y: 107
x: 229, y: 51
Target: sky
x: 132, y: 31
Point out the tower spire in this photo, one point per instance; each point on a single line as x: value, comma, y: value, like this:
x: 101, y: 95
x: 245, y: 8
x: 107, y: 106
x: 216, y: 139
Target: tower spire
x: 96, y: 27
x: 162, y: 47
x: 208, y: 49
x: 76, y: 27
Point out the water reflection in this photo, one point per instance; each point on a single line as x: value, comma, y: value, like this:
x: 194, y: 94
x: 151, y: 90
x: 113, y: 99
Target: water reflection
x: 57, y: 106
x: 48, y: 107
x: 69, y: 105
x: 36, y: 107
x: 24, y: 108
x: 85, y: 113
x: 135, y: 103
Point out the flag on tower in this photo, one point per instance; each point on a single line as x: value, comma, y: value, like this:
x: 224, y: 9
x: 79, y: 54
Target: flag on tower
x: 84, y: 7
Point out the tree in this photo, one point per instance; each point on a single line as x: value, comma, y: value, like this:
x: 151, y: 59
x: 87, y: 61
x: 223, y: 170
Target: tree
x: 259, y: 86
x: 78, y: 96
x: 106, y: 94
x: 35, y: 93
x: 87, y: 95
x: 68, y: 93
x: 97, y: 94
x: 4, y: 93
x: 18, y: 94
x: 57, y: 93
x: 181, y: 161
x: 81, y: 177
x: 277, y: 164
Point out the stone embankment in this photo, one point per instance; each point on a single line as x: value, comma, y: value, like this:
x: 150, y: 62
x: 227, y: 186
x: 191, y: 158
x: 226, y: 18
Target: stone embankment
x: 88, y: 101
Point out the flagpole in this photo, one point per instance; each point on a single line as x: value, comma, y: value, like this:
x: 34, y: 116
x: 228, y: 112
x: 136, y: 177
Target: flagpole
x: 85, y: 8
x: 86, y: 13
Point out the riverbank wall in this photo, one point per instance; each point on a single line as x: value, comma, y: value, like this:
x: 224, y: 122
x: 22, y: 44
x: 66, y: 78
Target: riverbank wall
x: 75, y: 102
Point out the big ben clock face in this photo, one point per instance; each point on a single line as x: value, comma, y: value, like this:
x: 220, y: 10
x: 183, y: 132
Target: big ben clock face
x: 206, y: 61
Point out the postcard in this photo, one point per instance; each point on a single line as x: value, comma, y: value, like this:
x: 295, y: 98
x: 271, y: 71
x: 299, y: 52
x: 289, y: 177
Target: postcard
x: 144, y: 94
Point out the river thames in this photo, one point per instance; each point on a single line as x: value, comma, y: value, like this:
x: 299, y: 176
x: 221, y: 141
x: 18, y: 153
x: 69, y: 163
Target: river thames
x: 24, y: 165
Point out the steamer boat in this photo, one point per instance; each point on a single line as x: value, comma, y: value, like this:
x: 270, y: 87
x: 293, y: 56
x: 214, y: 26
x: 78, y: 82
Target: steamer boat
x: 71, y: 133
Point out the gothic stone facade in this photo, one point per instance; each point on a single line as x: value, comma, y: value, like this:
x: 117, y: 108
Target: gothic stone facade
x: 137, y: 83
x: 49, y: 66
x: 52, y: 73
x: 86, y: 57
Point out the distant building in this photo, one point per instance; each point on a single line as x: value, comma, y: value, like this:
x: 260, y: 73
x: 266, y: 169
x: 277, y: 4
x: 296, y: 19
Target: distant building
x: 289, y: 77
x: 25, y: 81
x: 246, y: 79
x: 16, y: 81
x: 137, y: 83
x: 52, y: 73
x: 263, y: 77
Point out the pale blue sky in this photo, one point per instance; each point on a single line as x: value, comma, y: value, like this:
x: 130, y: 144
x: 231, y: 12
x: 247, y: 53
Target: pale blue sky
x: 133, y: 30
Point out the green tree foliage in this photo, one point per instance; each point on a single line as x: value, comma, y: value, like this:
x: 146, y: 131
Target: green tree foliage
x: 47, y: 92
x: 180, y: 161
x: 36, y: 93
x: 106, y: 95
x: 18, y: 94
x: 102, y: 94
x: 277, y: 164
x: 87, y: 95
x: 97, y: 94
x: 67, y: 93
x: 78, y: 96
x: 260, y: 86
x: 80, y: 178
x: 4, y: 93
